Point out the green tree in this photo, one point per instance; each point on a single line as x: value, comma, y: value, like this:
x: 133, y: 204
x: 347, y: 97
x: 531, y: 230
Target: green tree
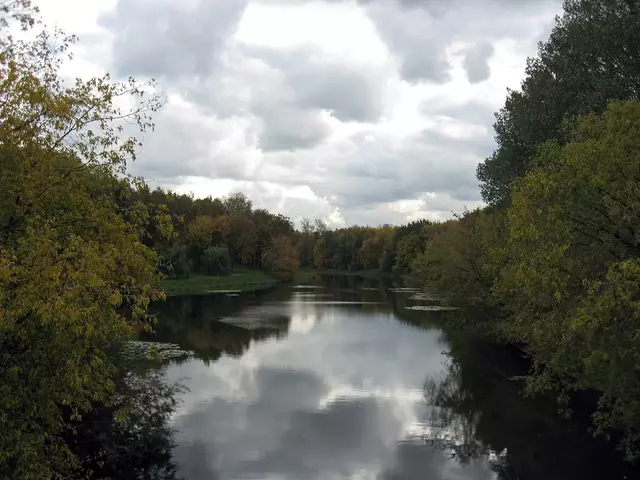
x: 241, y: 239
x: 573, y: 278
x: 180, y: 264
x: 590, y: 59
x: 237, y: 204
x: 216, y: 261
x: 371, y: 251
x: 201, y: 232
x: 407, y: 250
x: 462, y: 260
x: 321, y: 253
x: 306, y: 243
x: 74, y: 274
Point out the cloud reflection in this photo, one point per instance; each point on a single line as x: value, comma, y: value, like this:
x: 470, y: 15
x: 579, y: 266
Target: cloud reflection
x: 339, y: 397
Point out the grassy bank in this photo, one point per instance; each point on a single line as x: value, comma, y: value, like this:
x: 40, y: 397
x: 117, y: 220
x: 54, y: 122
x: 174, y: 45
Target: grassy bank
x: 239, y: 281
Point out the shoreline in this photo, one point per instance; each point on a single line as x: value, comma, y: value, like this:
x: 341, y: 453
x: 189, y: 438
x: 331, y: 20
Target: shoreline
x: 240, y: 281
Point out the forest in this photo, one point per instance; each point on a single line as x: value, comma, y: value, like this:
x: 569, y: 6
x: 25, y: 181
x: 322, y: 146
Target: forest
x: 552, y: 262
x: 212, y: 236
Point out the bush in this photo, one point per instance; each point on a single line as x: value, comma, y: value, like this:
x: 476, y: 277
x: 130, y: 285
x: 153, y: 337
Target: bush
x: 216, y: 261
x: 180, y: 264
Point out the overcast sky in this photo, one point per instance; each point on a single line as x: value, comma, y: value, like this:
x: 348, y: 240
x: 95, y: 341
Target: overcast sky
x: 357, y: 112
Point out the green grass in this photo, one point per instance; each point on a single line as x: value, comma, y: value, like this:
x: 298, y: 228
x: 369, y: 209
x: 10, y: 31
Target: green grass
x: 240, y: 280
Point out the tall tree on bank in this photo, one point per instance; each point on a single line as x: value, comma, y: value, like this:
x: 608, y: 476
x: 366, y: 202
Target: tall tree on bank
x: 74, y: 273
x: 591, y: 58
x: 572, y: 284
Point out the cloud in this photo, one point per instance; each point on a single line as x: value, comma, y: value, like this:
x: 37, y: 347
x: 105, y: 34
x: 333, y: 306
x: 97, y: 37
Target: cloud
x: 476, y: 62
x: 285, y: 128
x: 348, y: 91
x: 413, y: 37
x: 366, y: 112
x: 472, y: 112
x: 187, y: 142
x: 421, y: 32
x: 431, y: 161
x: 165, y: 38
x: 358, y: 179
x: 305, y: 87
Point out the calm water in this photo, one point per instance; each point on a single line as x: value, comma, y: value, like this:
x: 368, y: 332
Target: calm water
x: 348, y: 380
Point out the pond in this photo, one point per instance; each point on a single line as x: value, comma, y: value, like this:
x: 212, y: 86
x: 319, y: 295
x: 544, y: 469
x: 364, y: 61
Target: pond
x: 354, y: 379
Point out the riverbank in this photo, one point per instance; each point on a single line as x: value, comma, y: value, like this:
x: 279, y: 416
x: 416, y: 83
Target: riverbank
x: 240, y: 281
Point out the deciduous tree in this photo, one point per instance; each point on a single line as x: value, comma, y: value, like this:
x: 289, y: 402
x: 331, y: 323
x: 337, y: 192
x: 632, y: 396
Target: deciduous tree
x: 74, y: 273
x: 591, y: 58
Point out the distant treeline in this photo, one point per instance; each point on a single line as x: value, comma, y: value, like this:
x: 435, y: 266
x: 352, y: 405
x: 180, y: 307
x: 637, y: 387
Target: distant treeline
x: 213, y: 235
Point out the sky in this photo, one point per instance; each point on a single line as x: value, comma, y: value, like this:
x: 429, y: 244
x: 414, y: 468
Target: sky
x: 358, y: 112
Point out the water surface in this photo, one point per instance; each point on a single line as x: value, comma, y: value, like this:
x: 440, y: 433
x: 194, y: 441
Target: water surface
x: 345, y: 379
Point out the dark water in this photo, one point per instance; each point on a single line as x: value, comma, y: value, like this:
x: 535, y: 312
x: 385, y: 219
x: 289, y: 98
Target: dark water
x: 346, y: 381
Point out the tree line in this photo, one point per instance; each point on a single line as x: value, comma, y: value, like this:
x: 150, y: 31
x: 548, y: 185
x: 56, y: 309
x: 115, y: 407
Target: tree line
x: 212, y: 236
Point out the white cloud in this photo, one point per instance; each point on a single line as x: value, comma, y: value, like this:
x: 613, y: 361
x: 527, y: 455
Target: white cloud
x: 336, y: 397
x: 378, y: 110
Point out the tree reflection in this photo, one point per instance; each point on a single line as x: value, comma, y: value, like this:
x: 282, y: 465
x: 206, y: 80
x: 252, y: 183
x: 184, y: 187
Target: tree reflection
x: 131, y: 438
x: 197, y: 324
x: 478, y: 411
x: 453, y: 419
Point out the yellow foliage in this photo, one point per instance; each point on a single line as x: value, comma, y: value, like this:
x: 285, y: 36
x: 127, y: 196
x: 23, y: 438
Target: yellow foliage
x: 74, y: 274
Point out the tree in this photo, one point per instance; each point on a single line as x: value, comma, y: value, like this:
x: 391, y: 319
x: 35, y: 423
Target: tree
x: 388, y: 255
x: 242, y: 239
x: 281, y: 260
x: 237, y: 204
x: 205, y: 231
x: 573, y: 278
x: 74, y: 274
x: 371, y: 252
x: 306, y: 227
x: 407, y: 249
x: 321, y: 253
x: 320, y: 226
x: 306, y: 243
x: 216, y: 261
x: 461, y: 260
x: 180, y: 263
x: 213, y: 207
x: 590, y: 59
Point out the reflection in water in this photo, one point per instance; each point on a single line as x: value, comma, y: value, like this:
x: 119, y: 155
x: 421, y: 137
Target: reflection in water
x: 138, y: 444
x: 449, y: 428
x: 345, y: 381
x: 480, y: 398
